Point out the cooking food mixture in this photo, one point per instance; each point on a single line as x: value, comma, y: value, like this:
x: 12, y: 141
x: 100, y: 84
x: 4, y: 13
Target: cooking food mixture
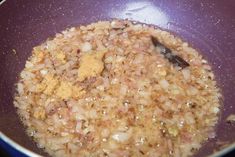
x: 107, y: 89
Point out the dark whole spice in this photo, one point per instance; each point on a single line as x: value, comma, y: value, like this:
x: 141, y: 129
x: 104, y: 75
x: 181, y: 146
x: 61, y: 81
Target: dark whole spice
x: 169, y: 55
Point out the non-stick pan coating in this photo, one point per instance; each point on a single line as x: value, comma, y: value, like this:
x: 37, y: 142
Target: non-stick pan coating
x: 208, y: 25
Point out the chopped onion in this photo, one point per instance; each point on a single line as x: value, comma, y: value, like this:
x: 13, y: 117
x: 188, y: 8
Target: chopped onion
x: 105, y: 132
x: 20, y: 88
x: 121, y: 136
x: 101, y: 88
x: 123, y: 90
x: 114, y: 81
x: 117, y: 24
x: 186, y: 73
x: 86, y: 47
x: 215, y: 109
x: 120, y: 58
x: 92, y: 113
x: 231, y: 118
x: 108, y: 59
x: 211, y: 134
x: 43, y: 72
x: 79, y: 116
x: 192, y: 91
x: 164, y: 84
x: 29, y: 64
x: 78, y: 126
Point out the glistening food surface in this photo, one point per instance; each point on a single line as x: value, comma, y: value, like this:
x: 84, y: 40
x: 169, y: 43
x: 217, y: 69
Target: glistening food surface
x: 106, y: 90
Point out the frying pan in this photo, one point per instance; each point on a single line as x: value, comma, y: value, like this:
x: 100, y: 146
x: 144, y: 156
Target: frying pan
x: 208, y: 25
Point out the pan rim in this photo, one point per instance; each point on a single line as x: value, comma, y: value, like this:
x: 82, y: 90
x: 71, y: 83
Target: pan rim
x: 2, y: 2
x: 28, y: 152
x: 17, y: 147
x: 223, y: 151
